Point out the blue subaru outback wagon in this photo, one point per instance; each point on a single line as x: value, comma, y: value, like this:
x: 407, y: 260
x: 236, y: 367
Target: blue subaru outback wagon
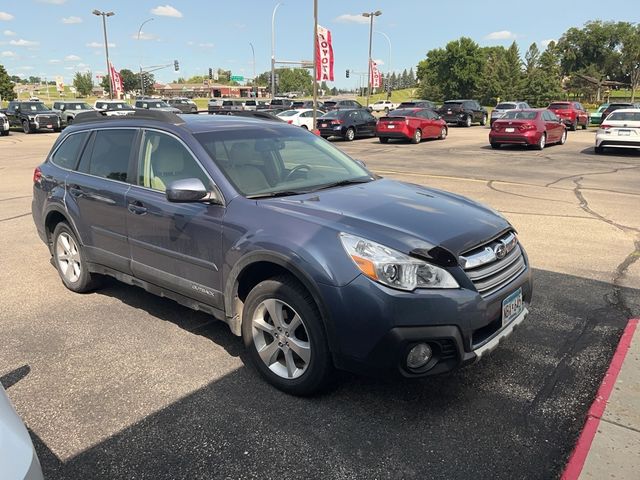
x: 313, y: 260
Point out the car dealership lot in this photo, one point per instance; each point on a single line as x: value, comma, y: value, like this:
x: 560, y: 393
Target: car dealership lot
x: 122, y: 384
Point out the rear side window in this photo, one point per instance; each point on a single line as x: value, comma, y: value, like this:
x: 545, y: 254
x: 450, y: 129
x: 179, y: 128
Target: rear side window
x: 109, y: 157
x: 67, y: 154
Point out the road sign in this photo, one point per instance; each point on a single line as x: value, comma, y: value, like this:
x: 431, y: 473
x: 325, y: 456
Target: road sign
x: 237, y: 78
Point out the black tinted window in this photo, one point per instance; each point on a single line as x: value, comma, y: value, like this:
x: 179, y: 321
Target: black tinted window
x: 66, y: 155
x: 110, y: 154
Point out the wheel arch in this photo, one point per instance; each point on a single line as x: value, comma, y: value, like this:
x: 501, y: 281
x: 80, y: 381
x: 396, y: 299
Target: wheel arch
x: 52, y: 218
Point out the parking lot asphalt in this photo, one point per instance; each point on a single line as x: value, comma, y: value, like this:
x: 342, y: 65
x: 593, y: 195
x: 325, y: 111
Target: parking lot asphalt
x: 121, y: 384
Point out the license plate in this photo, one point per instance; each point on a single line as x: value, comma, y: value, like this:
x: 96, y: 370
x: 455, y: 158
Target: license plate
x: 449, y: 112
x: 509, y: 130
x: 391, y: 126
x: 512, y: 306
x: 624, y: 133
x: 324, y: 125
x: 49, y: 126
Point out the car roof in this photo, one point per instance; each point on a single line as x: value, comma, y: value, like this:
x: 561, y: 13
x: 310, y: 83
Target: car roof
x: 628, y: 110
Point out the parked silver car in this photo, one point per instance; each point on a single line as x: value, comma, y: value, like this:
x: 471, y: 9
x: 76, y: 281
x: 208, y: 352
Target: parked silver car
x: 504, y: 107
x: 68, y: 110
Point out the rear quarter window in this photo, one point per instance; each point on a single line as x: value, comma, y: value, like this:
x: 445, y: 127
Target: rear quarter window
x: 66, y: 155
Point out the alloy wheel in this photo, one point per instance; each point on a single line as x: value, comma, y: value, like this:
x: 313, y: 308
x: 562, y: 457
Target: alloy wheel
x: 68, y: 257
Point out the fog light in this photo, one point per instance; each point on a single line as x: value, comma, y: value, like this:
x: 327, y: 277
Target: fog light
x: 419, y: 356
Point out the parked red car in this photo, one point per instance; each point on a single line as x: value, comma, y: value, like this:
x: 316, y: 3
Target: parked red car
x: 411, y: 124
x: 571, y: 113
x: 536, y: 127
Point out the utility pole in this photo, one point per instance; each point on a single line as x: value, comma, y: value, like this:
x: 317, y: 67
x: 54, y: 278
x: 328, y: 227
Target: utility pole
x: 370, y: 15
x: 106, y: 43
x: 315, y: 63
x: 273, y: 51
x: 141, y: 72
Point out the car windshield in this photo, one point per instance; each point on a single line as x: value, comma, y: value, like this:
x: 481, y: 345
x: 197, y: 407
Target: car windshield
x: 505, y: 106
x: 403, y: 112
x: 78, y: 106
x: 560, y: 106
x: 117, y: 106
x: 288, y: 113
x: 603, y: 108
x: 452, y: 103
x: 407, y: 104
x: 625, y: 116
x: 520, y: 115
x: 263, y: 162
x: 33, y: 106
x: 329, y: 104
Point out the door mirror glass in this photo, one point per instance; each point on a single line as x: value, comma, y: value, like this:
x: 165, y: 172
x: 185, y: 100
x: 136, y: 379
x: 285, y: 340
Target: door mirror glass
x: 187, y: 190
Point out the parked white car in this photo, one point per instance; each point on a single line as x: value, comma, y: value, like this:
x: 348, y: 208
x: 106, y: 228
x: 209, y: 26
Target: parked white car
x: 302, y: 117
x: 18, y: 459
x: 4, y: 124
x: 383, y: 106
x: 621, y: 129
x: 114, y: 107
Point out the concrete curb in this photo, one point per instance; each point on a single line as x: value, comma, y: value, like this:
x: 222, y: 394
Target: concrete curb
x: 576, y: 462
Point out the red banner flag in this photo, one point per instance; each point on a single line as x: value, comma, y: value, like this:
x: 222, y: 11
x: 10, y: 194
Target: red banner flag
x: 116, y: 81
x: 324, y: 55
x: 375, y: 75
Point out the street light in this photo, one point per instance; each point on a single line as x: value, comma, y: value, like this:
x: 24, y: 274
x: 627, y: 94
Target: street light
x: 253, y: 53
x: 273, y: 51
x: 370, y: 15
x: 388, y: 41
x: 141, y: 73
x: 106, y: 42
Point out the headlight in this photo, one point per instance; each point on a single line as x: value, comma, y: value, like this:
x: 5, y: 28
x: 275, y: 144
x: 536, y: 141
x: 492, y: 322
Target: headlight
x: 393, y: 268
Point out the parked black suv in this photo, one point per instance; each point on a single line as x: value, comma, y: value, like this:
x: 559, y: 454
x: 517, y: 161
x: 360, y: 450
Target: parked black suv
x: 316, y: 262
x: 348, y: 124
x: 32, y: 116
x: 463, y: 112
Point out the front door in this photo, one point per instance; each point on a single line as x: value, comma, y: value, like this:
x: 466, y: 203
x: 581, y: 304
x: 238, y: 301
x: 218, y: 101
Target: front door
x: 174, y: 245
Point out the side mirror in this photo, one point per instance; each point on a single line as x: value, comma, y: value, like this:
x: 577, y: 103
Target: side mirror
x: 190, y: 190
x: 361, y: 163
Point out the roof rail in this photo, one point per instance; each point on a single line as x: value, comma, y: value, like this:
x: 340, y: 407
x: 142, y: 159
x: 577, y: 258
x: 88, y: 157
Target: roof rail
x: 99, y: 115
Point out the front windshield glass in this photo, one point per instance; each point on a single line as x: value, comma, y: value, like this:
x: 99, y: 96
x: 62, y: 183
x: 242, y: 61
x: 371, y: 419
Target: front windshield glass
x: 505, y: 106
x: 33, y: 106
x: 520, y: 115
x: 268, y: 161
x: 78, y: 106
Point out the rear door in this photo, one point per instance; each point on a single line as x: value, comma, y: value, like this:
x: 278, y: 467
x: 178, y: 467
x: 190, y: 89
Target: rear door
x: 553, y: 126
x: 174, y: 245
x: 96, y: 195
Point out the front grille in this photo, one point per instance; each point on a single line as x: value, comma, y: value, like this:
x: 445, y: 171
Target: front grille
x: 47, y: 119
x: 488, y: 272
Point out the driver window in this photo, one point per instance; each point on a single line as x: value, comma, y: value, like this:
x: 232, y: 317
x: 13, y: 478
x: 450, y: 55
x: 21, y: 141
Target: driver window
x: 163, y: 159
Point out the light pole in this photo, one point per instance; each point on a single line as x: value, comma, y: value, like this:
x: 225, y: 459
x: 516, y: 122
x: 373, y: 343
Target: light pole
x: 253, y: 54
x: 389, y: 67
x: 370, y: 15
x: 141, y: 73
x: 106, y: 42
x: 273, y: 51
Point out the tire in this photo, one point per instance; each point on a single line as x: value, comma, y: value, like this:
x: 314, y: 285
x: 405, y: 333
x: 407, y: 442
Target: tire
x: 383, y: 139
x: 574, y: 126
x: 417, y: 136
x: 584, y: 127
x: 542, y: 142
x: 324, y: 136
x: 563, y: 138
x: 468, y: 121
x: 70, y: 261
x: 350, y: 134
x: 443, y: 133
x: 269, y: 311
x: 495, y: 145
x: 69, y: 121
x: 386, y: 110
x: 4, y: 133
x: 26, y: 128
x: 304, y: 126
x: 599, y: 150
x: 483, y: 122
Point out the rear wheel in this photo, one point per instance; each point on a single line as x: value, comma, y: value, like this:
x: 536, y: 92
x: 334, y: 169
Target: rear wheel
x: 70, y: 261
x: 26, y: 128
x: 417, y: 136
x: 574, y: 126
x: 283, y: 333
x: 495, y: 145
x: 586, y: 123
x: 304, y: 126
x: 563, y: 138
x: 350, y: 135
x: 443, y: 133
x: 542, y: 142
x: 483, y: 122
x: 383, y: 139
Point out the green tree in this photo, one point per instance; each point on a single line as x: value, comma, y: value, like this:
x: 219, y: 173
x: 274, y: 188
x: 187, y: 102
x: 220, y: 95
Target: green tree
x: 6, y: 86
x: 543, y: 81
x: 531, y: 59
x: 130, y: 80
x: 295, y: 80
x: 513, y: 73
x: 630, y: 55
x: 492, y: 84
x: 83, y: 83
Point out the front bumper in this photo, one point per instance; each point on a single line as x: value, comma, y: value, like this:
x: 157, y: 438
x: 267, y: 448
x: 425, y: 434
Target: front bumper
x: 372, y: 327
x: 45, y: 123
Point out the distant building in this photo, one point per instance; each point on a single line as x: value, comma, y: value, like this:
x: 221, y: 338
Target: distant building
x: 191, y: 90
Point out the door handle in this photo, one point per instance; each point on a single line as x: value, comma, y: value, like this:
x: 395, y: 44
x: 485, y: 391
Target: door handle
x: 76, y: 191
x: 137, y: 208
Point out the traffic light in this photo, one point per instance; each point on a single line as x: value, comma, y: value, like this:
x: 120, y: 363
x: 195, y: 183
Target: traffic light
x: 347, y: 73
x: 176, y: 65
x: 277, y: 75
x: 211, y: 74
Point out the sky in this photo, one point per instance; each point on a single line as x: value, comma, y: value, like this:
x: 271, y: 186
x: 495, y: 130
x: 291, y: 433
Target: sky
x: 50, y: 38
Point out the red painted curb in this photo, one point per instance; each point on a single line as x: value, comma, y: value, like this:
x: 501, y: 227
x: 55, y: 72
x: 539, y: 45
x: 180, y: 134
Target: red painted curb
x: 580, y: 452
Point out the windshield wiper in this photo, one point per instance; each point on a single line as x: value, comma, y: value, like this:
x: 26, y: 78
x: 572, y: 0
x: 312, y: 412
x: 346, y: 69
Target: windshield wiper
x: 281, y: 193
x: 342, y: 183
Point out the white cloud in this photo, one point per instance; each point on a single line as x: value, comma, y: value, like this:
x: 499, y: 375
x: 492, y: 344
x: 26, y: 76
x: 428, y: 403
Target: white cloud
x: 378, y: 61
x: 349, y: 18
x: 23, y: 43
x: 145, y: 36
x: 9, y: 33
x: 191, y: 42
x: 501, y: 35
x: 166, y: 11
x: 69, y: 68
x: 99, y: 45
x: 54, y: 60
x: 7, y: 53
x: 72, y: 58
x: 6, y: 16
x: 25, y: 68
x: 545, y: 43
x: 71, y: 20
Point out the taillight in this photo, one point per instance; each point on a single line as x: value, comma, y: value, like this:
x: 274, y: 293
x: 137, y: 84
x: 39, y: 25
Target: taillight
x: 526, y: 126
x: 406, y: 121
x: 604, y: 126
x: 37, y: 175
x: 289, y: 122
x: 336, y: 122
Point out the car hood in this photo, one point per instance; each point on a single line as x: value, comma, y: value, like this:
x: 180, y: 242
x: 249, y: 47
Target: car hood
x: 39, y: 112
x: 401, y: 215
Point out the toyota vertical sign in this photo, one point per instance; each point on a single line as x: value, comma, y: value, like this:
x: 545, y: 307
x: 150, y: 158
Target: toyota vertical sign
x: 324, y: 55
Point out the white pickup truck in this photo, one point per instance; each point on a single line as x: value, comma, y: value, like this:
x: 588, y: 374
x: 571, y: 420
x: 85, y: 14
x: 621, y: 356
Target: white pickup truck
x: 383, y: 106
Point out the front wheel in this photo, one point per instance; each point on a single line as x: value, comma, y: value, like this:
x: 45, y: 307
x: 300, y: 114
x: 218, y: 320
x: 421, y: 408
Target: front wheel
x: 495, y: 145
x: 4, y: 133
x: 542, y: 142
x: 574, y: 126
x: 70, y: 261
x: 26, y: 128
x: 467, y: 122
x: 563, y: 138
x: 350, y: 135
x: 586, y: 123
x: 443, y: 133
x: 283, y: 333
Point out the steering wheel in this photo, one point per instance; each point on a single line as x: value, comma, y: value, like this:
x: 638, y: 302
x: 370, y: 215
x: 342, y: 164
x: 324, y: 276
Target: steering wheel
x: 296, y: 169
